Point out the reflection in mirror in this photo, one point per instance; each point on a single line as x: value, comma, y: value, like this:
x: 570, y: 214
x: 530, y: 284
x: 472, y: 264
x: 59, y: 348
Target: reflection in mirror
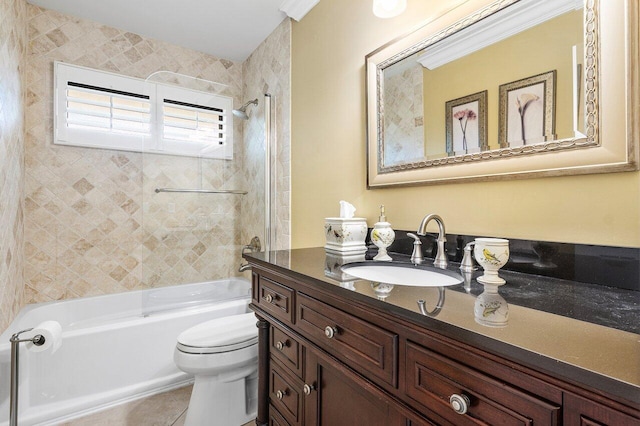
x: 404, y: 112
x: 510, y: 80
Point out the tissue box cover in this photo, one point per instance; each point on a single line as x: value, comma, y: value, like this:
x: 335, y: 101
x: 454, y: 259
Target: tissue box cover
x: 345, y: 235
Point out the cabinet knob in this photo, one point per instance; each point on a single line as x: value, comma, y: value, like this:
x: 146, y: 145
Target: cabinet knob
x: 459, y: 403
x: 281, y: 394
x: 269, y: 298
x: 281, y: 345
x: 330, y: 331
x: 307, y: 389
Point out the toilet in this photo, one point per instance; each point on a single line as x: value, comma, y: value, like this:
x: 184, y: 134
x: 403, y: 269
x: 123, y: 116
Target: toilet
x: 222, y: 354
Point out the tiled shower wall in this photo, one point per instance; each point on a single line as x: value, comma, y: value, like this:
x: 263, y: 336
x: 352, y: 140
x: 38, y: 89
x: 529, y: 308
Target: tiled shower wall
x: 268, y: 70
x: 404, y: 117
x: 13, y: 45
x: 93, y: 223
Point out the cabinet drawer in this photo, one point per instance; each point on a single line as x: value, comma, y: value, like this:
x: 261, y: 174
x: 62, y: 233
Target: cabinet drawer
x: 275, y: 418
x: 361, y: 345
x: 277, y: 299
x: 285, y: 394
x: 286, y: 349
x: 432, y: 379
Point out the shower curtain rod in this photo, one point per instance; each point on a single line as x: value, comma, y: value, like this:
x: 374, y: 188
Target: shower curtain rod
x: 203, y: 191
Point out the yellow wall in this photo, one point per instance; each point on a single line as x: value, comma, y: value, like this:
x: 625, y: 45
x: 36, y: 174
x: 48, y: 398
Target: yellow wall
x: 515, y: 58
x: 328, y: 151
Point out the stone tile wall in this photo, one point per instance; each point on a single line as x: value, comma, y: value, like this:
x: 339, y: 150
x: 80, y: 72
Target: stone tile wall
x: 404, y: 117
x: 76, y: 221
x: 268, y: 70
x: 13, y: 45
x: 94, y: 224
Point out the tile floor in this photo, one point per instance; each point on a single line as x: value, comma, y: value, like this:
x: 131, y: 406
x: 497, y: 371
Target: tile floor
x: 164, y: 409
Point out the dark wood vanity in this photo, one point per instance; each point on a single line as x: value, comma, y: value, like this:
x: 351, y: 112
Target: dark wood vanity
x: 331, y: 356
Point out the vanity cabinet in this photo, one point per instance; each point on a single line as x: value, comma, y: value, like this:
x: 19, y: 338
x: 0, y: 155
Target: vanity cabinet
x: 328, y: 359
x: 307, y: 387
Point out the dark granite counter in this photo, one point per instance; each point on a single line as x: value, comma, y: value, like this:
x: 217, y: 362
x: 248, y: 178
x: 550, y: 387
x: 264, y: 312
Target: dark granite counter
x: 585, y: 333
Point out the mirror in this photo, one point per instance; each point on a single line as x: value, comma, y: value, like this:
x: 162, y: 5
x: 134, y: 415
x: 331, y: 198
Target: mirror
x: 504, y: 89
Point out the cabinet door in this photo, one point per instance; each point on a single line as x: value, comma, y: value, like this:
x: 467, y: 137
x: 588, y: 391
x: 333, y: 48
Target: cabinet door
x: 582, y: 412
x: 341, y: 397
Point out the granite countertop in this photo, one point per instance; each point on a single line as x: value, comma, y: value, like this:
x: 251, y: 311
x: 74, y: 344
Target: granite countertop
x: 553, y: 323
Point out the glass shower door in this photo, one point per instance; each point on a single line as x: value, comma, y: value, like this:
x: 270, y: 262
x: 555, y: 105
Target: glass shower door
x: 195, y: 206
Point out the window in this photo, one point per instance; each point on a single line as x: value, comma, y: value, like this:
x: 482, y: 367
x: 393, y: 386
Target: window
x: 103, y: 110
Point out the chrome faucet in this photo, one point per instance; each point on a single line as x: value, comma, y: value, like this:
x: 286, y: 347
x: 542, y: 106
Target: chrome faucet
x: 244, y: 267
x: 440, y: 260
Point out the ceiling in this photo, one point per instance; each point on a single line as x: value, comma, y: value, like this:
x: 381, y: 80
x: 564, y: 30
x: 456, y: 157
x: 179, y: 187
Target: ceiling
x: 227, y: 29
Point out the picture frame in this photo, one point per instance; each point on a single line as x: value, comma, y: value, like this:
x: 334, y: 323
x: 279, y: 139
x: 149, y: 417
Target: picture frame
x: 466, y: 124
x: 526, y: 112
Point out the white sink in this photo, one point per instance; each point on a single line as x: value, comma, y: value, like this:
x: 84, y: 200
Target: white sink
x: 402, y: 274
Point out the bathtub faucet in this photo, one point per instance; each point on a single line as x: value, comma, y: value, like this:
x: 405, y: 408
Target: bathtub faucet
x: 253, y: 247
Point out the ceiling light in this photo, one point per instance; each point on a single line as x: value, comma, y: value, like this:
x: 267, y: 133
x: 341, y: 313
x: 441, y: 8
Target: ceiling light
x: 388, y: 8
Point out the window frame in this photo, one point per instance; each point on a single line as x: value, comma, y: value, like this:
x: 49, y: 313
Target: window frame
x: 151, y: 142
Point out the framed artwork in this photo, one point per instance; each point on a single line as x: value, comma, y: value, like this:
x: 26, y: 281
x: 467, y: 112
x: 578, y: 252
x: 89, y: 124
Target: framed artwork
x: 466, y: 124
x: 527, y: 110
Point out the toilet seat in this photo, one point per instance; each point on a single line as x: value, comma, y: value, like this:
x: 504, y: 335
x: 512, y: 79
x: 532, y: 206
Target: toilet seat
x: 220, y: 335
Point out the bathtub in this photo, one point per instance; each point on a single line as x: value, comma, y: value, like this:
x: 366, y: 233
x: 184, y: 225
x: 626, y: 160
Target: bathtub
x: 115, y: 348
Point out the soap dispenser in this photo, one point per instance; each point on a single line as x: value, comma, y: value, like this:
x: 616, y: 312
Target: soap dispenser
x: 382, y: 236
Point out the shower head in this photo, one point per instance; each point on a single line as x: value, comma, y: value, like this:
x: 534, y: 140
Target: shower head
x: 242, y: 111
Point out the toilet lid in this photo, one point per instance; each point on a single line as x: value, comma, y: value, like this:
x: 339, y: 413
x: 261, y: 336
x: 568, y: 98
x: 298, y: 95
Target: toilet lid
x: 220, y: 335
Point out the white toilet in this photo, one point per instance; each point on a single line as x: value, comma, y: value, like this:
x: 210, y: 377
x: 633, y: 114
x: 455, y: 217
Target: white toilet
x: 222, y: 354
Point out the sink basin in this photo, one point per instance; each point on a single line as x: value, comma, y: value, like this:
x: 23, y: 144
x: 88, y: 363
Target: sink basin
x: 402, y: 274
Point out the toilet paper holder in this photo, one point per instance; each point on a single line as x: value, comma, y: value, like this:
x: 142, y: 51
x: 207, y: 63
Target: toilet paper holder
x: 15, y: 340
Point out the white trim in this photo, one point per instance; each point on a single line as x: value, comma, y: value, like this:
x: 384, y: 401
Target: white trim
x: 297, y: 9
x: 151, y: 141
x: 512, y: 20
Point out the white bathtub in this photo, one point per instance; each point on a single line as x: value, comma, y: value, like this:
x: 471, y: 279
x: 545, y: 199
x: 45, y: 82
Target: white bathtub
x: 115, y: 348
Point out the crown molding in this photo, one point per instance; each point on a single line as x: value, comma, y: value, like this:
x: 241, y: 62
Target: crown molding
x: 516, y: 18
x: 297, y: 9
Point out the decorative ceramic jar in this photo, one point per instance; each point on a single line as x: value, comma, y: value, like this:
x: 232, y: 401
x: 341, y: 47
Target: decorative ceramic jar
x: 382, y: 236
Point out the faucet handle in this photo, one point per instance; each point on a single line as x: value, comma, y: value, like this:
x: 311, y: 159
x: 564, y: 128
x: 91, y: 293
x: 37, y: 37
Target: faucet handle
x: 467, y: 260
x: 416, y: 255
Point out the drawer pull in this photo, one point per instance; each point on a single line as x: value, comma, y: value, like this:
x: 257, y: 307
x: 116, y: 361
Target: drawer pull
x: 281, y: 394
x: 330, y: 331
x: 281, y: 345
x: 269, y: 298
x: 308, y: 388
x: 459, y: 403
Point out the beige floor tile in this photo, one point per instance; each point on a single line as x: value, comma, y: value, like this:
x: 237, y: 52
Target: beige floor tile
x: 164, y: 409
